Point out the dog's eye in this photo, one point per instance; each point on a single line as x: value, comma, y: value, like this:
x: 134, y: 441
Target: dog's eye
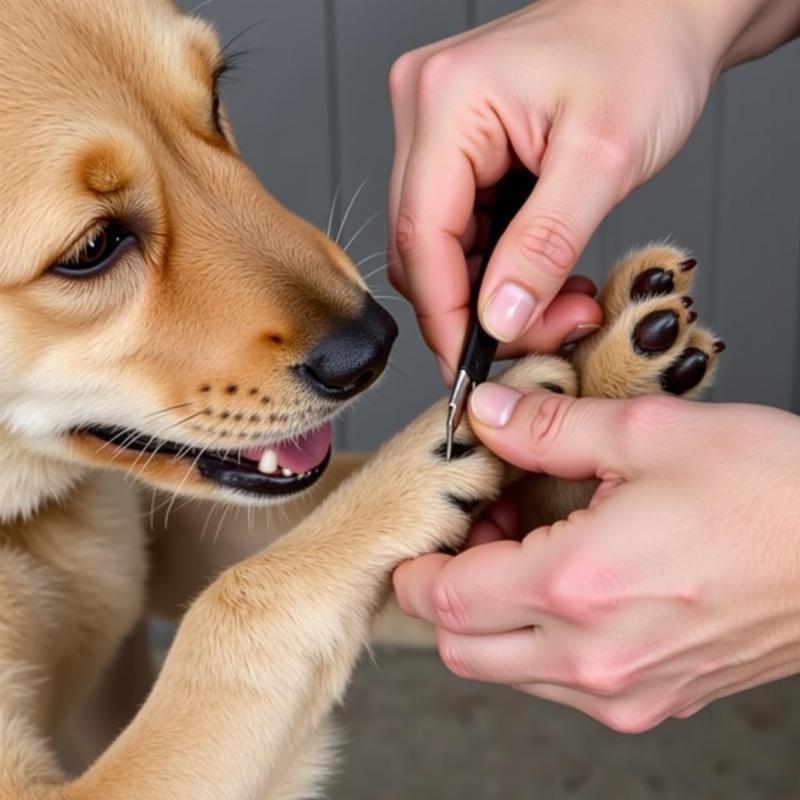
x: 97, y: 252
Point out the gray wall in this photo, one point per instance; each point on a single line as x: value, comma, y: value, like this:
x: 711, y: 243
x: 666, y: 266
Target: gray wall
x: 312, y: 113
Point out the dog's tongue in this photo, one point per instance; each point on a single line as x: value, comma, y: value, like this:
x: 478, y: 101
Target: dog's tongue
x: 301, y: 454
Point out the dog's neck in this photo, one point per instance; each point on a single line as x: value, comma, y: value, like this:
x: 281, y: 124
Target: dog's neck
x: 30, y: 480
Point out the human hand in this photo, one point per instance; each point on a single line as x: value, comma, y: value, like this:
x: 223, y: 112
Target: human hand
x: 593, y: 97
x: 680, y: 584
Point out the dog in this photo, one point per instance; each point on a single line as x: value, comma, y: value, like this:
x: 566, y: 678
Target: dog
x: 163, y: 320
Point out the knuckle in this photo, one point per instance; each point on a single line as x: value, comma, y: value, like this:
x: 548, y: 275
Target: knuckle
x: 406, y: 233
x: 436, y: 72
x: 547, y: 422
x: 448, y: 608
x: 599, y: 678
x: 547, y: 244
x: 630, y: 718
x: 403, y: 73
x: 453, y: 656
x: 608, y: 147
x: 561, y: 597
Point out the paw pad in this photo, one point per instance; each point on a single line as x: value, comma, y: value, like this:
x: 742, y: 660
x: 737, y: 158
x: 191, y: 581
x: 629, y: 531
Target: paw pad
x: 650, y: 341
x: 653, y: 282
x: 686, y: 372
x: 656, y: 332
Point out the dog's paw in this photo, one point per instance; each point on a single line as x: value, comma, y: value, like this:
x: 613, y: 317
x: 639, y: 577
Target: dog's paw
x: 650, y: 342
x: 426, y: 503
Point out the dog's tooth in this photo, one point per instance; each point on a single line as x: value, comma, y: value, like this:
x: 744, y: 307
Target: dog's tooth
x: 287, y: 473
x: 269, y: 462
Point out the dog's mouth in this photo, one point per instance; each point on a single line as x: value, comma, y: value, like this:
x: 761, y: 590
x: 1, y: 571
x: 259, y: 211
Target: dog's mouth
x: 280, y: 469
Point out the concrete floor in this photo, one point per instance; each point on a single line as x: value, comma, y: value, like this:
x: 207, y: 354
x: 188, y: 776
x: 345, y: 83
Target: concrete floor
x: 414, y: 731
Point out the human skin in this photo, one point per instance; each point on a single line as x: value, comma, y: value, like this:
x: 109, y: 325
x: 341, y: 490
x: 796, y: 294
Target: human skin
x: 647, y: 605
x: 678, y: 585
x: 593, y: 96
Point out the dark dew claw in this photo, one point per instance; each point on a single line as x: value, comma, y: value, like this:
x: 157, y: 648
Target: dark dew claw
x: 464, y: 504
x: 656, y: 332
x: 653, y: 282
x: 686, y: 372
x: 460, y: 450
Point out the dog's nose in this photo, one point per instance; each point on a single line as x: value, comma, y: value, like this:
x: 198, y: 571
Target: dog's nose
x: 353, y: 355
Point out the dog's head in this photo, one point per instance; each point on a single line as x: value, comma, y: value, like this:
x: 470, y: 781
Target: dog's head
x: 159, y: 311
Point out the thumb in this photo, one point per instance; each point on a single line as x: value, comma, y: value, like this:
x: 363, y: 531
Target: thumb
x: 577, y: 188
x: 568, y: 437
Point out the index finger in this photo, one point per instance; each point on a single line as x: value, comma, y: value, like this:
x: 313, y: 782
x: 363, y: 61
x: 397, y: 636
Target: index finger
x: 435, y: 208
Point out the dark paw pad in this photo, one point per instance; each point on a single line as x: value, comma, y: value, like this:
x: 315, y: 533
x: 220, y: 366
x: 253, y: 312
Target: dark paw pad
x: 686, y: 372
x: 460, y: 450
x: 463, y: 504
x: 656, y: 333
x: 653, y: 282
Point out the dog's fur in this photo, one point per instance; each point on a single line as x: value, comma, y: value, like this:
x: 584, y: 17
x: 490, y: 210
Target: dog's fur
x: 107, y: 113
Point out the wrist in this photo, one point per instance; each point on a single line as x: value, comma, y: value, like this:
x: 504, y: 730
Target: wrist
x: 735, y: 31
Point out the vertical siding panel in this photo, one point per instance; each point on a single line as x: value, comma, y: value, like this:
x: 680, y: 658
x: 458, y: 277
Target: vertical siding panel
x: 758, y: 242
x: 492, y: 9
x: 279, y: 102
x: 370, y: 35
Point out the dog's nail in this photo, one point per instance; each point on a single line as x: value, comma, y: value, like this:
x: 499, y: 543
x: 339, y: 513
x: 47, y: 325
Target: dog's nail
x: 657, y: 332
x: 581, y: 332
x: 655, y: 281
x: 553, y: 387
x: 688, y: 265
x: 463, y: 504
x: 719, y: 346
x: 460, y: 450
x: 688, y: 302
x: 692, y: 316
x: 686, y: 373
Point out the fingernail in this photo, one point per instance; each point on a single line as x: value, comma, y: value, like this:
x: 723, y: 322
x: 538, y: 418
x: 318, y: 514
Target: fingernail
x: 508, y: 312
x: 493, y: 404
x: 447, y: 373
x: 581, y: 332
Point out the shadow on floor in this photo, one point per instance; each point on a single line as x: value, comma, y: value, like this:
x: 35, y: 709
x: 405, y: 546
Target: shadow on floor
x: 415, y: 732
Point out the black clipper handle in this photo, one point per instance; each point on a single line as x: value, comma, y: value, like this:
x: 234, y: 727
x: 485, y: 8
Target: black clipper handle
x: 480, y: 348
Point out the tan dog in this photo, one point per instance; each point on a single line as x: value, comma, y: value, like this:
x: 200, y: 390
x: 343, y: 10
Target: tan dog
x: 162, y: 316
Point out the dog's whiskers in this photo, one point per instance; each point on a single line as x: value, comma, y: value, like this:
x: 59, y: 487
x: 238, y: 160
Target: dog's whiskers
x: 221, y: 523
x: 177, y: 492
x: 350, y: 206
x: 375, y: 272
x: 361, y: 230
x: 199, y: 6
x: 370, y: 257
x: 334, y: 202
x: 167, y: 410
x: 242, y: 33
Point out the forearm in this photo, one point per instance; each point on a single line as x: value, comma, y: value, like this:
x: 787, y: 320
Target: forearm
x: 735, y: 31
